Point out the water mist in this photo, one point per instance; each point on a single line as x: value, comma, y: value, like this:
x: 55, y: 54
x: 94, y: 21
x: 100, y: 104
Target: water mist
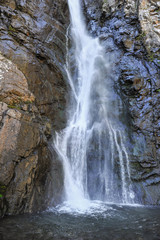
x: 92, y: 146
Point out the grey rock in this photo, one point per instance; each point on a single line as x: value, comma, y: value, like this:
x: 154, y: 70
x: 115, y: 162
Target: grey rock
x: 134, y: 27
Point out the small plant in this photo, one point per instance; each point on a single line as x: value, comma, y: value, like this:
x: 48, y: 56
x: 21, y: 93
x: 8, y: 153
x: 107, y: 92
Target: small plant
x: 158, y: 90
x: 14, y: 107
x: 141, y: 36
x: 2, y: 190
x: 28, y: 102
x: 11, y: 106
x: 147, y: 170
x: 151, y: 57
x: 11, y: 29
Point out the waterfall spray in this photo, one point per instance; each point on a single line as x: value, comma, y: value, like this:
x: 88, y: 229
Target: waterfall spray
x: 92, y: 145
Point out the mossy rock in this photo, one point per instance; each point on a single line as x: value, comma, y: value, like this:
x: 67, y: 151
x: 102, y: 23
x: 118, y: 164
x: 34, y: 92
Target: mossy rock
x: 141, y: 36
x: 158, y: 90
x: 2, y: 190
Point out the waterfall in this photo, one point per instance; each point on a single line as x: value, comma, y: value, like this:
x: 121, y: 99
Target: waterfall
x: 92, y: 146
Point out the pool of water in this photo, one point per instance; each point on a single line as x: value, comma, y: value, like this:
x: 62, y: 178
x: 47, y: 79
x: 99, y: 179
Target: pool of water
x: 109, y: 222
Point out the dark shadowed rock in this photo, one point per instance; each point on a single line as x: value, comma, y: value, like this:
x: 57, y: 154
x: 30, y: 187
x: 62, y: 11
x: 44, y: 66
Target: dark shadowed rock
x: 133, y: 27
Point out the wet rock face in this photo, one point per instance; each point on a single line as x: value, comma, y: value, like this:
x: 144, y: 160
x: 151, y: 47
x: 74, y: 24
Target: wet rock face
x: 149, y: 16
x: 32, y: 102
x: 129, y: 30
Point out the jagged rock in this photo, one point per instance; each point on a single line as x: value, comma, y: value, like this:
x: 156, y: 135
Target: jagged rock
x: 32, y: 102
x: 34, y: 40
x: 149, y: 15
x: 130, y: 8
x: 13, y: 84
x: 133, y: 27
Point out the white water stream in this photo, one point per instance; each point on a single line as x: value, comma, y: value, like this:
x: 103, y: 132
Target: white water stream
x: 92, y: 146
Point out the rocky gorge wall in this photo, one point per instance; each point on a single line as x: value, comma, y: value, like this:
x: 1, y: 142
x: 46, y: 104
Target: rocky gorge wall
x: 33, y: 92
x: 130, y: 32
x: 32, y: 102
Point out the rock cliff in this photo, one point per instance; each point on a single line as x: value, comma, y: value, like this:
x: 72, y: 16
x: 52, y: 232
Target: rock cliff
x: 130, y: 32
x: 32, y: 102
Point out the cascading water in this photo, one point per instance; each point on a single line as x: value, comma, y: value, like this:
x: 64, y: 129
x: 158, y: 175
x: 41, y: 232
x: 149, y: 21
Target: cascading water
x: 91, y: 147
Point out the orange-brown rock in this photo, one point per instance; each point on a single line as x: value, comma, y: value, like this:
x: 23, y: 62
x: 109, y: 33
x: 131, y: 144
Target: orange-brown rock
x: 32, y: 102
x: 13, y: 84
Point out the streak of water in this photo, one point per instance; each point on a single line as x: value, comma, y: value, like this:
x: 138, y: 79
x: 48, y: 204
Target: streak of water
x: 91, y: 147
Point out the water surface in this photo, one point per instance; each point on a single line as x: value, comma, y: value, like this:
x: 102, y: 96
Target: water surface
x: 111, y: 222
